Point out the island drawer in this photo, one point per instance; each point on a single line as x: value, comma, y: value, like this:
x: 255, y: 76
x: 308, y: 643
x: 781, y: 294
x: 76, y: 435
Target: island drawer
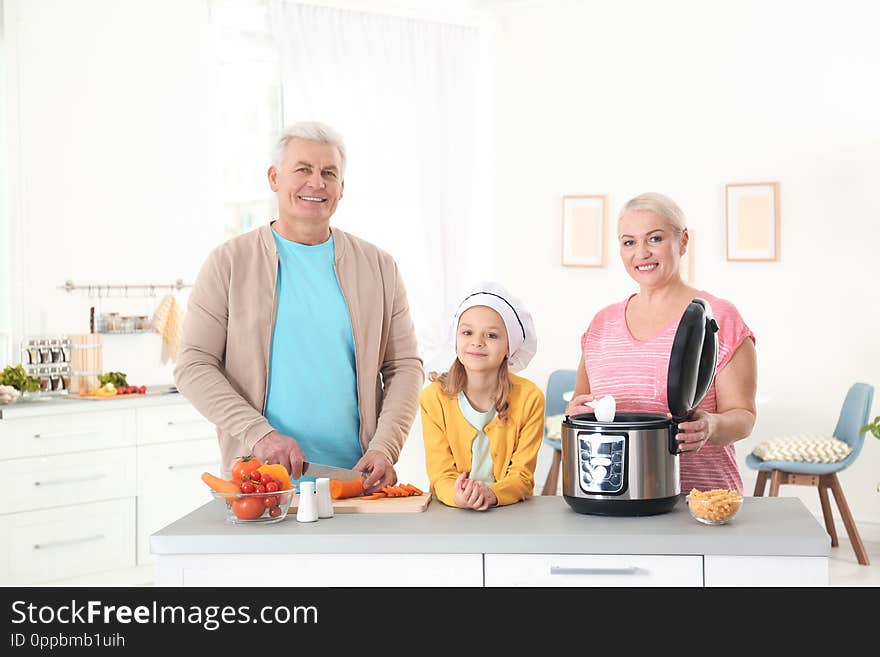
x: 585, y: 570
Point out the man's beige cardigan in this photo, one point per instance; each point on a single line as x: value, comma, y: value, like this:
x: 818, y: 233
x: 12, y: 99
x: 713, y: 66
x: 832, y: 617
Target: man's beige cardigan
x: 223, y: 365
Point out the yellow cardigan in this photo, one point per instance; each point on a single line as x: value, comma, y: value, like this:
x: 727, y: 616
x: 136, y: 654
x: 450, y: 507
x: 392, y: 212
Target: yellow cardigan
x: 513, y: 444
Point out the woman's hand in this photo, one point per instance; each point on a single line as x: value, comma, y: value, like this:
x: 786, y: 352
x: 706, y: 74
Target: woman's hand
x: 473, y: 494
x: 576, y: 405
x: 695, y: 433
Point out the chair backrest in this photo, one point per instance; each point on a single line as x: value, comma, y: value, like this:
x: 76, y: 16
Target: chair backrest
x: 854, y: 414
x: 559, y: 382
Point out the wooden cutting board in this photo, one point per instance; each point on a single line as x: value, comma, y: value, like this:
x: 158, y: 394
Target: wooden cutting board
x: 97, y: 398
x: 413, y: 504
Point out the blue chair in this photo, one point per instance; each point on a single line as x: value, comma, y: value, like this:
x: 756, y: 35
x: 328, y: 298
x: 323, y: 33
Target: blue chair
x: 559, y: 382
x: 854, y: 414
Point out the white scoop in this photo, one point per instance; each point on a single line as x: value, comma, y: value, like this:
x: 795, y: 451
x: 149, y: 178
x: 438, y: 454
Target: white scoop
x: 604, y: 408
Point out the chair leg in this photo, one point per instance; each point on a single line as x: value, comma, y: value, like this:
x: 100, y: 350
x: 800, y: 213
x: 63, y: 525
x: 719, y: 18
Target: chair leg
x: 553, y: 474
x: 775, y: 481
x: 848, y: 522
x: 761, y: 484
x: 822, y: 487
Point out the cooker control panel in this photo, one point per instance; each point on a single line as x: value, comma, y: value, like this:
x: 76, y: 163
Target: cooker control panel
x: 601, y: 462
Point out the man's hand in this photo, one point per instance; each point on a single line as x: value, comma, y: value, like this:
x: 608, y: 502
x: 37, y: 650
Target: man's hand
x: 379, y: 471
x: 275, y: 447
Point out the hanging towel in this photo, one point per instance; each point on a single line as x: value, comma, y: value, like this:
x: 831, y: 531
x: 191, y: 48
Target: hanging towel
x: 168, y: 322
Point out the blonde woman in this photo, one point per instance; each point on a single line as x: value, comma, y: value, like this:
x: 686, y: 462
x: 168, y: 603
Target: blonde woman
x: 625, y: 351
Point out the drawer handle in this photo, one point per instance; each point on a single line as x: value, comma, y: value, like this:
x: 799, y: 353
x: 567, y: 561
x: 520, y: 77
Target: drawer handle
x: 625, y: 570
x: 72, y: 541
x: 172, y: 423
x: 71, y: 434
x: 70, y: 480
x: 184, y: 466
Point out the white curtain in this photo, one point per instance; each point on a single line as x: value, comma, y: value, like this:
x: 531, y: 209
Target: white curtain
x: 405, y: 95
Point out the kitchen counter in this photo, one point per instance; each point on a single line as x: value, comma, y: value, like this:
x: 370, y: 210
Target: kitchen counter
x: 773, y: 530
x: 58, y: 405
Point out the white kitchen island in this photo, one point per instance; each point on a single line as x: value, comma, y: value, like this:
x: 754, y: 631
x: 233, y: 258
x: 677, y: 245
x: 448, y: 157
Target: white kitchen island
x: 540, y: 542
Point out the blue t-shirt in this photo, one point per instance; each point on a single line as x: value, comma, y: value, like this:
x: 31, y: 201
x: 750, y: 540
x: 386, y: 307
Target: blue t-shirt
x: 312, y: 377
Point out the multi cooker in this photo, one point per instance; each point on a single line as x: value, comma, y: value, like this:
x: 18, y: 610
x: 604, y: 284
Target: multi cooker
x: 630, y: 466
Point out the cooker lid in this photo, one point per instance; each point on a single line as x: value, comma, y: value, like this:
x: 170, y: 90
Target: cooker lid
x: 693, y: 359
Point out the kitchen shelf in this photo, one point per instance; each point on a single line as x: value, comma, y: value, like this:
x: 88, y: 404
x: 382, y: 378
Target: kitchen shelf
x: 149, y: 289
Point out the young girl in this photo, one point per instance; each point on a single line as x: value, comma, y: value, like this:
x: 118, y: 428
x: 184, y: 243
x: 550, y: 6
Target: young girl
x: 482, y: 424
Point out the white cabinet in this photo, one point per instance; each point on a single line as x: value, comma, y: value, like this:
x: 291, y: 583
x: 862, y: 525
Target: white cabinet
x: 67, y: 432
x: 67, y: 479
x: 89, y: 486
x: 732, y: 570
x: 66, y: 541
x: 321, y: 570
x: 593, y: 570
x: 169, y: 484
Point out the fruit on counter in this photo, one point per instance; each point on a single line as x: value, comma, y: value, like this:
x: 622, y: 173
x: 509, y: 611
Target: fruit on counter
x: 8, y: 394
x: 277, y: 471
x: 19, y: 379
x: 340, y: 489
x: 106, y: 390
x: 116, y: 378
x: 255, y: 492
x: 244, y: 465
x: 109, y: 390
x: 132, y: 390
x: 248, y: 508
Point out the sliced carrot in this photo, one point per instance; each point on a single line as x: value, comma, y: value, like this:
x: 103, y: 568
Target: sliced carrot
x: 413, y: 489
x: 340, y: 489
x: 374, y: 496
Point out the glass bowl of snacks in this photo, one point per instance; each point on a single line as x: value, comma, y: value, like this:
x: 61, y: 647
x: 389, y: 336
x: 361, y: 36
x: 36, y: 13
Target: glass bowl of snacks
x: 714, y: 507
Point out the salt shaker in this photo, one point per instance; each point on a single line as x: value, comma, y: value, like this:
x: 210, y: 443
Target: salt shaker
x: 325, y: 504
x: 308, y: 502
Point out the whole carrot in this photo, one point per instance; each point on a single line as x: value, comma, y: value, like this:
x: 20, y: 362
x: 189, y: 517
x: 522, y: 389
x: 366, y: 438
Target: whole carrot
x: 221, y: 485
x: 340, y: 489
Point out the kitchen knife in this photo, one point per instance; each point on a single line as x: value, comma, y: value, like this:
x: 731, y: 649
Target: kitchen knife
x: 320, y: 470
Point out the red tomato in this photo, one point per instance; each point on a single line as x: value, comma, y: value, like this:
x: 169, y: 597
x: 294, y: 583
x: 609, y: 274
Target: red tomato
x: 256, y: 476
x: 245, y: 465
x: 259, y: 488
x: 273, y: 487
x: 142, y: 390
x: 275, y: 511
x: 270, y: 501
x: 248, y: 508
x: 247, y: 487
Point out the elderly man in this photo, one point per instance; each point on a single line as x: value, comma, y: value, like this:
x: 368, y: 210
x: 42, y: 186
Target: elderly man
x: 298, y: 342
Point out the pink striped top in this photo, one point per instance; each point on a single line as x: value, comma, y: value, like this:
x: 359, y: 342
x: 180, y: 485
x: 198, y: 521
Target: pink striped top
x: 635, y: 373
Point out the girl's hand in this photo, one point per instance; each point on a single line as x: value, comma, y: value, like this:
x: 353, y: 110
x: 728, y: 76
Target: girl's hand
x: 473, y: 494
x: 697, y: 432
x: 576, y: 405
x: 460, y: 498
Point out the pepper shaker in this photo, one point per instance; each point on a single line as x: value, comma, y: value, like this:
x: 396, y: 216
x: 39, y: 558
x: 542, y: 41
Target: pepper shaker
x: 308, y: 502
x: 325, y: 504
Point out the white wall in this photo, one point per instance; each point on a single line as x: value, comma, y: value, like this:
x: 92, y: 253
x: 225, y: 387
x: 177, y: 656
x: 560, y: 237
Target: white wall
x: 111, y: 171
x: 682, y: 97
x: 112, y: 146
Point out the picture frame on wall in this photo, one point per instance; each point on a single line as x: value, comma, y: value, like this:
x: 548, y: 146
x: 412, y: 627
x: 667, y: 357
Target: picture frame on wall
x: 584, y: 230
x: 752, y: 212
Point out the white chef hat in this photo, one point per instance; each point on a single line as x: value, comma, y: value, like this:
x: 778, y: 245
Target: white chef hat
x: 522, y: 342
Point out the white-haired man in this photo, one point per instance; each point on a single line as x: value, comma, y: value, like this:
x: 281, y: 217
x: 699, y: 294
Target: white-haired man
x: 298, y: 343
